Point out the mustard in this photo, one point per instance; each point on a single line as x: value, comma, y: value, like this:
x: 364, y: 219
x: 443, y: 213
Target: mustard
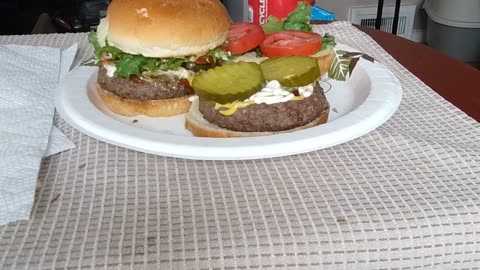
x: 231, y: 108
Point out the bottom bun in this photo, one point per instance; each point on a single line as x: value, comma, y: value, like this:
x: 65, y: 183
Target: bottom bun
x: 154, y: 108
x: 200, y: 127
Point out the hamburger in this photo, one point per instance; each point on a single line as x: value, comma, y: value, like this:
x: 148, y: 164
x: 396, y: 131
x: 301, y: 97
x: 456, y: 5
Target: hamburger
x: 295, y: 36
x: 271, y: 90
x: 246, y: 99
x: 148, y: 52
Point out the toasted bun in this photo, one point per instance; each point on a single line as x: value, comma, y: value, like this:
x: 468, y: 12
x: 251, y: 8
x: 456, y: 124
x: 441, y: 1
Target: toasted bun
x: 200, y: 127
x: 325, y: 60
x: 166, y: 28
x: 154, y: 108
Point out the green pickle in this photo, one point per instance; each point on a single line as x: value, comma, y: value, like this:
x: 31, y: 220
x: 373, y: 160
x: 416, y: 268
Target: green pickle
x: 291, y: 71
x: 230, y: 82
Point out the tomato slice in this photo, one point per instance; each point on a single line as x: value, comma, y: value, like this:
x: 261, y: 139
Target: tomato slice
x: 243, y: 37
x: 205, y: 59
x: 291, y: 42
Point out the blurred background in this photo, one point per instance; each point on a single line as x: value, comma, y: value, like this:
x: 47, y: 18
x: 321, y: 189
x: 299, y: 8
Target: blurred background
x: 38, y: 16
x: 452, y: 27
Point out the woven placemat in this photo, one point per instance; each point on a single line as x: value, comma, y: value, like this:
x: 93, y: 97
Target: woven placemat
x: 404, y: 196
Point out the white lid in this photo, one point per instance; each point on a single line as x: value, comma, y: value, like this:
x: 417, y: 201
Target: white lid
x: 460, y: 13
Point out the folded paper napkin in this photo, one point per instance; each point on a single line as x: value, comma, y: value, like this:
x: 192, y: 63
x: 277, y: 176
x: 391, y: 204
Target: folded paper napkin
x: 28, y: 77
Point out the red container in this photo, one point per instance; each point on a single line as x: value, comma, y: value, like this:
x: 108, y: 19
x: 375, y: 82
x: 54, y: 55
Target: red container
x: 259, y: 10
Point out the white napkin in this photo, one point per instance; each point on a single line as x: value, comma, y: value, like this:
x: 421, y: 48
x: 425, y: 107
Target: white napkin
x: 28, y: 77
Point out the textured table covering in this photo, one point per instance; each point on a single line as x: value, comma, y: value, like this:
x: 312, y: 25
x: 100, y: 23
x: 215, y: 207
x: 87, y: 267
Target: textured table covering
x: 404, y: 196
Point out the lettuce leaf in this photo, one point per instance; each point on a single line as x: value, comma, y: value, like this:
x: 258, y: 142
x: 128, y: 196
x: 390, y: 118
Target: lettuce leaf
x: 299, y: 19
x: 132, y: 64
x: 99, y: 50
x: 272, y: 25
x: 219, y: 54
x: 328, y: 41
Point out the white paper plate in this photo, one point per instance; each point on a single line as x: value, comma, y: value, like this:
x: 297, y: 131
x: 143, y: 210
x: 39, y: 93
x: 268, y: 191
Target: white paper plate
x: 357, y: 106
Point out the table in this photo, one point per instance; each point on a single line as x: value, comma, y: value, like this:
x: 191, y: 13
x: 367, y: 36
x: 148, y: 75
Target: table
x: 436, y: 70
x: 404, y: 196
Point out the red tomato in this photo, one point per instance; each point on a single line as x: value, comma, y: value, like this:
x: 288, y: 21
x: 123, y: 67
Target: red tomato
x: 243, y: 37
x: 205, y: 59
x: 291, y: 42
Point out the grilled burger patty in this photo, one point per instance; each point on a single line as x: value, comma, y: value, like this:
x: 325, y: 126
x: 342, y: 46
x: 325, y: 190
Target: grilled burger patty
x: 162, y: 87
x: 269, y: 117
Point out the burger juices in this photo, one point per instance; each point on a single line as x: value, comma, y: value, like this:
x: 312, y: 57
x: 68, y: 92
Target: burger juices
x: 150, y: 50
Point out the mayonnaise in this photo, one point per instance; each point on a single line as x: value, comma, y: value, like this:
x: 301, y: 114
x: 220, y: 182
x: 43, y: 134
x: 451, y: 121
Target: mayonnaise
x: 273, y: 92
x: 179, y: 72
x: 306, y: 90
x: 249, y: 57
x: 110, y: 69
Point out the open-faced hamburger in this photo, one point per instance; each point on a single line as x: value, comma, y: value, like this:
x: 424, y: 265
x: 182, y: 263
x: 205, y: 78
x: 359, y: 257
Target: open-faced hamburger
x: 295, y: 36
x: 247, y: 99
x: 282, y: 43
x: 149, y: 50
x: 282, y: 37
x: 297, y: 42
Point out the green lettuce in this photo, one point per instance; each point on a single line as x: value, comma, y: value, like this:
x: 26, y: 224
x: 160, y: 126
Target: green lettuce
x: 299, y: 19
x: 99, y: 50
x: 219, y: 54
x: 328, y: 41
x: 133, y: 64
x: 272, y: 25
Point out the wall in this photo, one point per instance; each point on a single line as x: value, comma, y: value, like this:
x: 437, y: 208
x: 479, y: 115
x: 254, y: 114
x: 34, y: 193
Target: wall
x: 341, y: 8
x: 238, y: 10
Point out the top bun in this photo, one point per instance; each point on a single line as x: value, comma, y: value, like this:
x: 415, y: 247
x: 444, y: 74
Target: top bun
x: 166, y: 28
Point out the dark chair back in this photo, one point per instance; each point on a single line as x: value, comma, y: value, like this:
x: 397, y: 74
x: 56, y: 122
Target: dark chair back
x: 378, y: 20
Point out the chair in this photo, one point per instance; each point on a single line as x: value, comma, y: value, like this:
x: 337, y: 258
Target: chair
x: 44, y: 25
x: 378, y: 20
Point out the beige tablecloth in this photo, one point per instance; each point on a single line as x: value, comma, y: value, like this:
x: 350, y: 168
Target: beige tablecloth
x: 404, y: 196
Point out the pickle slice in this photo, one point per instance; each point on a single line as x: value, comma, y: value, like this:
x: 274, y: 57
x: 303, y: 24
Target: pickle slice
x: 291, y: 71
x: 230, y: 82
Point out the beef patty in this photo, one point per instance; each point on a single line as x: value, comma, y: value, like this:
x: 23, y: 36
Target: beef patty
x: 269, y: 117
x: 162, y: 87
